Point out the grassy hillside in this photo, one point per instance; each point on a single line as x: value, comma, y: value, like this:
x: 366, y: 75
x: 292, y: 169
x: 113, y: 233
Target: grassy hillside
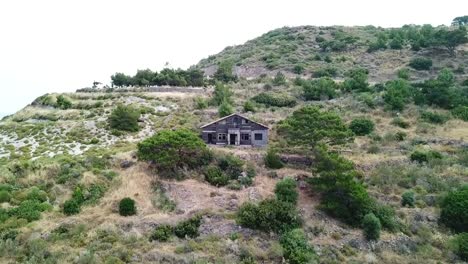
x: 384, y: 146
x: 307, y: 49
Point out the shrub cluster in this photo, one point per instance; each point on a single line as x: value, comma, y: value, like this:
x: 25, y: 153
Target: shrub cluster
x: 371, y: 226
x: 127, y: 207
x: 274, y: 99
x: 285, y: 191
x: 162, y: 233
x: 454, y: 212
x: 229, y: 169
x: 81, y: 196
x: 188, y: 228
x: 323, y: 88
x: 124, y: 118
x: 420, y: 63
x: 296, y: 247
x: 433, y: 117
x: 191, y: 77
x: 407, y: 199
x: 425, y: 156
x: 272, y: 160
x: 361, y: 126
x: 461, y: 246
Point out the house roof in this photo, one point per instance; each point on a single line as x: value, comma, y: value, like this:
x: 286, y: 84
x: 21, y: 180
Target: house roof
x: 235, y: 115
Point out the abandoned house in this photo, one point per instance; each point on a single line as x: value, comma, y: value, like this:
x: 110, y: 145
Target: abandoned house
x: 235, y: 130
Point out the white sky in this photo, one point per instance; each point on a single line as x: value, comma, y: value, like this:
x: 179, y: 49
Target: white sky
x: 58, y: 46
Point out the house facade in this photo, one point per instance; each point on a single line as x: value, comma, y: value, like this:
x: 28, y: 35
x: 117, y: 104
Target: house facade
x: 235, y: 130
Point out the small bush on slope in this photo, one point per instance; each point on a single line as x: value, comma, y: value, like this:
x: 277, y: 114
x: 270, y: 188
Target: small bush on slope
x: 124, y: 118
x: 127, y: 207
x: 285, y: 191
x: 371, y: 226
x: 362, y: 126
x: 272, y: 160
x: 454, y: 212
x: 296, y: 248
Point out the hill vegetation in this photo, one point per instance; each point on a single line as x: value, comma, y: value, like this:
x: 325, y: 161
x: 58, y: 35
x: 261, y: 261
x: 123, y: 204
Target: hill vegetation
x: 366, y: 162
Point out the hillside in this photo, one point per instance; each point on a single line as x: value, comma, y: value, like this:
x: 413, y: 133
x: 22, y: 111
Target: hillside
x: 367, y: 146
x: 312, y: 48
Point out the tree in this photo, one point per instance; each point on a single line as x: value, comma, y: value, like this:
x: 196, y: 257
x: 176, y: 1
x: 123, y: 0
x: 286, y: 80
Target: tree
x: 120, y: 79
x: 222, y: 93
x: 454, y: 212
x: 224, y: 72
x: 225, y: 109
x: 143, y: 77
x: 371, y: 226
x: 310, y: 126
x: 323, y: 88
x: 124, y: 118
x: 273, y: 160
x: 452, y: 38
x: 173, y: 149
x: 460, y: 21
x: 127, y: 207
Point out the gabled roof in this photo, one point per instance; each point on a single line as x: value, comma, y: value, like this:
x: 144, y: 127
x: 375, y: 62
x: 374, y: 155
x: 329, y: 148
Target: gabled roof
x: 238, y: 116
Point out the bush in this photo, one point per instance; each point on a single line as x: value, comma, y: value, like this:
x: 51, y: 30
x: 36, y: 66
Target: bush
x: 423, y: 156
x: 231, y: 165
x: 173, y: 149
x: 433, y: 117
x: 249, y: 106
x: 273, y: 160
x: 356, y: 80
x: 454, y: 212
x: 325, y: 72
x: 403, y: 74
x: 127, y: 207
x: 274, y: 99
x: 397, y: 94
x: 461, y: 112
x: 215, y: 176
x: 461, y: 246
x: 200, y: 103
x: 371, y: 226
x: 162, y: 233
x: 361, y: 126
x: 279, y: 79
x: 29, y: 210
x: 225, y: 109
x: 407, y: 199
x: 269, y: 215
x: 124, y: 118
x: 188, y: 228
x: 63, y: 102
x: 5, y: 196
x: 296, y: 247
x: 323, y: 88
x: 71, y: 207
x: 285, y: 191
x: 421, y: 64
x: 400, y: 122
x: 298, y: 69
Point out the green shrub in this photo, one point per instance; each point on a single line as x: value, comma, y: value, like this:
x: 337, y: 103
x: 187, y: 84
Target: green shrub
x: 5, y: 196
x: 433, y: 117
x: 127, y: 207
x: 400, y: 135
x: 225, y: 109
x: 200, y: 103
x: 63, y: 102
x: 231, y: 165
x: 71, y: 207
x: 285, y: 191
x: 397, y: 94
x: 454, y: 213
x: 323, y: 88
x: 421, y: 64
x: 215, y: 176
x: 124, y: 118
x: 188, y: 228
x: 298, y: 69
x: 174, y: 149
x: 325, y: 72
x: 356, y: 80
x: 361, y: 126
x: 461, y: 112
x: 279, y: 79
x: 407, y: 199
x: 296, y: 247
x: 30, y: 210
x: 371, y: 226
x: 273, y: 160
x: 424, y: 156
x: 162, y: 233
x: 461, y: 246
x: 249, y: 106
x: 403, y: 74
x: 269, y: 215
x: 274, y: 99
x: 400, y: 122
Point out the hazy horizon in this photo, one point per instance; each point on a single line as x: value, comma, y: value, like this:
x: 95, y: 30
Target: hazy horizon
x: 54, y: 46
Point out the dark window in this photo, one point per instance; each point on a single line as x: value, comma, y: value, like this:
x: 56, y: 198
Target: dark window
x: 258, y: 136
x: 245, y: 136
x: 221, y: 136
